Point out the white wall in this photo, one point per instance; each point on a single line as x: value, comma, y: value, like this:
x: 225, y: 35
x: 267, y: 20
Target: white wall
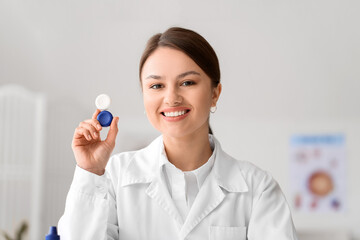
x: 287, y: 67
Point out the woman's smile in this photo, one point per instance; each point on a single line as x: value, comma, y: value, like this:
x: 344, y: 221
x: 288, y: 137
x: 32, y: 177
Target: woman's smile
x: 175, y: 114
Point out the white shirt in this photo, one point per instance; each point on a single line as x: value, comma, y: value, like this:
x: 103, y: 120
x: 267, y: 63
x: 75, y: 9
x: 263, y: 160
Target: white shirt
x: 184, y: 186
x: 236, y: 201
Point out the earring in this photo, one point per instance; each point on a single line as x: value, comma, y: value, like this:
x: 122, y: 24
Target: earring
x: 213, y: 109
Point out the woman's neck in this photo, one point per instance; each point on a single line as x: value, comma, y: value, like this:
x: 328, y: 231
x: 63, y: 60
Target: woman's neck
x: 189, y: 152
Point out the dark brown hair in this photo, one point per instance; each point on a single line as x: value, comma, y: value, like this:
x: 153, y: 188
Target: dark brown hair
x: 190, y: 43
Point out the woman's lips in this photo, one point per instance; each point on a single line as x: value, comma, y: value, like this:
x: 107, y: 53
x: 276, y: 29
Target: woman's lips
x: 175, y: 114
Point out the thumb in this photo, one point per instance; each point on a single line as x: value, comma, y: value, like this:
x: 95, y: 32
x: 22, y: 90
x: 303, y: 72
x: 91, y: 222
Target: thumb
x: 111, y: 137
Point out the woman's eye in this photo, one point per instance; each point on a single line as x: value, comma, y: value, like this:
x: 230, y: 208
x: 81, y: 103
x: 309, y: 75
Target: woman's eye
x: 188, y: 83
x: 156, y: 86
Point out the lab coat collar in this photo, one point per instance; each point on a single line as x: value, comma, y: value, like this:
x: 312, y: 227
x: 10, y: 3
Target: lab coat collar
x: 144, y: 167
x: 227, y: 172
x: 200, y: 173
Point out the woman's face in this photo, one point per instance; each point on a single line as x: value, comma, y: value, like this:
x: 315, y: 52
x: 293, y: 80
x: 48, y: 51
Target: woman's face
x: 177, y: 93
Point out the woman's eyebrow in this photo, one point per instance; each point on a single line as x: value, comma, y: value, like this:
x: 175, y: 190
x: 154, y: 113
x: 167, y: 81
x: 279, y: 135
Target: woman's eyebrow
x: 182, y: 75
x: 187, y: 73
x: 153, y: 77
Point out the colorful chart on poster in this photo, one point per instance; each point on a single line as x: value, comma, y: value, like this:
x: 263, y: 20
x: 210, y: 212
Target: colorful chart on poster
x: 317, y: 172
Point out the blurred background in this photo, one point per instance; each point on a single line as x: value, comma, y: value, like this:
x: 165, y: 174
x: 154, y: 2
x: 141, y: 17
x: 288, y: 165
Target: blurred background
x: 289, y: 68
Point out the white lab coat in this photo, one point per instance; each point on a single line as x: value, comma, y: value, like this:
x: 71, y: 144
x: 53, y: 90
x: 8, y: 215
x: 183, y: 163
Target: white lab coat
x: 131, y: 202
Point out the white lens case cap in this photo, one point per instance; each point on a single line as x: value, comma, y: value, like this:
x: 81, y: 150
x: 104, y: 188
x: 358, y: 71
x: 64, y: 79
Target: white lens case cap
x: 103, y: 102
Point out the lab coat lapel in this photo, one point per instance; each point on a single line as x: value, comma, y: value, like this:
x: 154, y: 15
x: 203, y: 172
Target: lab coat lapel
x: 160, y: 194
x: 225, y: 176
x: 208, y: 198
x: 144, y: 168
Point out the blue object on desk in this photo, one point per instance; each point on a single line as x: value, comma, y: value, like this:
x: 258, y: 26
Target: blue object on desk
x: 105, y: 118
x: 52, y: 234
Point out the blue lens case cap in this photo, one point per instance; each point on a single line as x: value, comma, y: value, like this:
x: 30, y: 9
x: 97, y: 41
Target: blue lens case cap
x: 105, y: 118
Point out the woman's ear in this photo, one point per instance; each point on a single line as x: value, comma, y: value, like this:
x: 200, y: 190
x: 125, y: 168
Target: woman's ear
x: 216, y: 94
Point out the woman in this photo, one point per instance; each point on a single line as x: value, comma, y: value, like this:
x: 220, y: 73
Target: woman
x: 183, y: 185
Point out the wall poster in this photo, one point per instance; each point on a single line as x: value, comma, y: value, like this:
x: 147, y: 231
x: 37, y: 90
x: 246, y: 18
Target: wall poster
x: 317, y: 173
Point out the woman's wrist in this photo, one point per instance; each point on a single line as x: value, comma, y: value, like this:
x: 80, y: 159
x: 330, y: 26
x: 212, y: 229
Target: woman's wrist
x: 97, y: 171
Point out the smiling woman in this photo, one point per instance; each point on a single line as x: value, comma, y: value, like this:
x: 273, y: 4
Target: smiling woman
x: 177, y: 94
x: 193, y: 46
x: 183, y: 185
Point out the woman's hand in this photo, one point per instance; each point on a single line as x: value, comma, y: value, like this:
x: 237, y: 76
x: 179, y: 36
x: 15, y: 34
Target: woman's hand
x: 90, y: 152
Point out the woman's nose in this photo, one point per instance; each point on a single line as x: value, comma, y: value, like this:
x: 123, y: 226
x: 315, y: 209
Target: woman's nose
x: 173, y: 97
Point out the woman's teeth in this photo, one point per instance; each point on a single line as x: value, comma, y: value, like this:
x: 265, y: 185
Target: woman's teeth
x: 174, y: 114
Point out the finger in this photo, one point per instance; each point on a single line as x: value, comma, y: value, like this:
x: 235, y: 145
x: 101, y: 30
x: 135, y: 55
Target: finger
x: 94, y: 116
x: 92, y: 130
x: 81, y: 132
x: 112, y: 131
x: 95, y: 123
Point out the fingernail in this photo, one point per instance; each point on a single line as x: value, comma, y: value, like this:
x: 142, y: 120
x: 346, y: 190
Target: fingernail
x: 89, y: 137
x: 95, y: 134
x: 98, y: 126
